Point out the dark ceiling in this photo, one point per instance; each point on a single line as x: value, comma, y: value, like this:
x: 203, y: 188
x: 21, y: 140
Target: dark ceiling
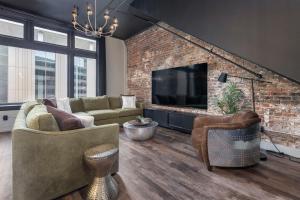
x: 61, y: 10
x: 266, y: 32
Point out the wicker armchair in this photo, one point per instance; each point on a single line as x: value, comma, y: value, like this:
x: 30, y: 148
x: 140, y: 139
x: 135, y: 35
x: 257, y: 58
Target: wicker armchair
x: 227, y: 141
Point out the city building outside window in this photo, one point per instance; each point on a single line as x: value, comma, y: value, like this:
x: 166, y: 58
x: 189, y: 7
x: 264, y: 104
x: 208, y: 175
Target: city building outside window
x: 84, y: 77
x: 27, y: 74
x: 85, y: 44
x: 50, y: 36
x: 11, y: 28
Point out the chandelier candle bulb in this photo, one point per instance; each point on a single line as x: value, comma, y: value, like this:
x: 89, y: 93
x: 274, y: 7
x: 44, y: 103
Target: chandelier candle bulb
x: 88, y: 29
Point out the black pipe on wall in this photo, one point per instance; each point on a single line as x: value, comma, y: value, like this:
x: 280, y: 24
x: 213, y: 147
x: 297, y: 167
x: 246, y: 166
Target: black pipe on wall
x: 266, y: 32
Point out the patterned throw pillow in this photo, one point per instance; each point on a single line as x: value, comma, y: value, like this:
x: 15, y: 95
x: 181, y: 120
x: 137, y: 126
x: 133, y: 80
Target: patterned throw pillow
x: 128, y: 101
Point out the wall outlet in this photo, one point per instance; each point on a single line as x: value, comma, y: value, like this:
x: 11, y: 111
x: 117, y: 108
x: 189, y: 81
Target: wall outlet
x: 5, y: 118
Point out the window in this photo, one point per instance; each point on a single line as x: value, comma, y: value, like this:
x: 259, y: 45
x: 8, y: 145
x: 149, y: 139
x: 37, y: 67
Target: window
x: 44, y: 75
x: 27, y: 74
x: 84, y: 77
x: 49, y: 36
x: 11, y: 28
x: 85, y: 44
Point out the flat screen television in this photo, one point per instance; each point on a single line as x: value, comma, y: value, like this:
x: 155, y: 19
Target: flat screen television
x: 181, y: 86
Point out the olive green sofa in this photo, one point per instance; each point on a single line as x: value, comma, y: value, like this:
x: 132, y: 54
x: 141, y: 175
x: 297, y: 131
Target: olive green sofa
x: 49, y: 164
x: 105, y: 110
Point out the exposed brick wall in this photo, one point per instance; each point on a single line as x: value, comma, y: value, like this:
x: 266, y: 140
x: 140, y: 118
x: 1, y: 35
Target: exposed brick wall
x: 278, y: 104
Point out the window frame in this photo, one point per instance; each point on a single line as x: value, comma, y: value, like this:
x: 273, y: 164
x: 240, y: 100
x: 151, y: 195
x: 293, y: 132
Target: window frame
x: 19, y: 21
x: 88, y: 39
x: 54, y: 30
x: 30, y: 21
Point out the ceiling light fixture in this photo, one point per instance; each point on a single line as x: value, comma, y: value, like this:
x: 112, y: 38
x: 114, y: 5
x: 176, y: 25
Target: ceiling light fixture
x: 88, y: 29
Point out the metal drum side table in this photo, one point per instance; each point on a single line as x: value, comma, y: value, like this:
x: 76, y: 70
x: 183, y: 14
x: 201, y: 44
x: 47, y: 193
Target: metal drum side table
x: 100, y: 159
x: 140, y: 133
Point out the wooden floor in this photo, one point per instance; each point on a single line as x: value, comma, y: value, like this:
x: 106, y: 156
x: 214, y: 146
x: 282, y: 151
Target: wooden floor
x: 166, y: 167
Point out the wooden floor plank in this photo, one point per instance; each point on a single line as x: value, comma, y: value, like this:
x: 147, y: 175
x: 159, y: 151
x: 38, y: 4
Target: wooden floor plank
x: 167, y: 167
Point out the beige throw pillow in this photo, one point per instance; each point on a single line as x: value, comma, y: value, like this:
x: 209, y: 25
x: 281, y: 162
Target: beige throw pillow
x: 64, y: 104
x: 128, y: 102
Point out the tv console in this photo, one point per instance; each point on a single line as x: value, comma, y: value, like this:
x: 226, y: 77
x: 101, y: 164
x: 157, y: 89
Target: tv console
x: 181, y: 121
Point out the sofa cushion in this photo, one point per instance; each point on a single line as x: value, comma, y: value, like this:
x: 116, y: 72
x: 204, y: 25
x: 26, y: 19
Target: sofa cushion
x: 129, y: 112
x: 81, y: 114
x: 28, y: 106
x: 65, y: 121
x: 76, y: 105
x: 95, y: 103
x: 103, y: 114
x: 115, y: 102
x: 39, y: 119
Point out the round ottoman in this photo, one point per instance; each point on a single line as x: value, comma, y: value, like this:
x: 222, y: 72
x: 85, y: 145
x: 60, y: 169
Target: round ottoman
x: 100, y: 160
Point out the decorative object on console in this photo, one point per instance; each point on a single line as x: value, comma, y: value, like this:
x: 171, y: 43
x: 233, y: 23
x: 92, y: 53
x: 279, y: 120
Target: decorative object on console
x: 100, y: 160
x: 227, y: 141
x: 128, y: 101
x: 88, y: 29
x: 140, y: 121
x: 232, y: 99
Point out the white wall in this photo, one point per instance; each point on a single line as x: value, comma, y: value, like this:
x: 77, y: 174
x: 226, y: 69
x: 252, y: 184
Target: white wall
x: 6, y: 126
x: 116, y: 67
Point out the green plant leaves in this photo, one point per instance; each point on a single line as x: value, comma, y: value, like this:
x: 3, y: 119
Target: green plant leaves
x: 232, y: 99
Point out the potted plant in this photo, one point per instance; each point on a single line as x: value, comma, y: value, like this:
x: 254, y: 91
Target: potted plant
x: 232, y: 99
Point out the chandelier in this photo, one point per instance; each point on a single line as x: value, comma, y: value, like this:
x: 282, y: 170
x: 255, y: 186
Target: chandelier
x: 88, y: 29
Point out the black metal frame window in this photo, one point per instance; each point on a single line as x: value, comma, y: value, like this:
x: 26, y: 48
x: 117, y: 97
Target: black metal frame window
x: 38, y: 35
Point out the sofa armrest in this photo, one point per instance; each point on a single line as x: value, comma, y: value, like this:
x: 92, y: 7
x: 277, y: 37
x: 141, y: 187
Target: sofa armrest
x: 54, y: 160
x: 140, y: 105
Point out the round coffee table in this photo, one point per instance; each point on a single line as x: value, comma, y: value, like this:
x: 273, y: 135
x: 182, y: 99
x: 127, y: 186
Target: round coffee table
x: 140, y: 133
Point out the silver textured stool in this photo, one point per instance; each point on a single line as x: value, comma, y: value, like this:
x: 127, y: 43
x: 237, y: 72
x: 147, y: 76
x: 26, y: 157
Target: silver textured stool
x: 100, y: 159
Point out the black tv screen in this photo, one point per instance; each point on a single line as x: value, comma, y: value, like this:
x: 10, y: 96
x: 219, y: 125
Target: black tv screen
x: 181, y: 86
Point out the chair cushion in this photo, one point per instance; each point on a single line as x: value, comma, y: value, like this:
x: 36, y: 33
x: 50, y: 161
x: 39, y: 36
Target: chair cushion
x: 103, y: 114
x: 39, y: 119
x: 95, y: 103
x: 65, y: 121
x: 115, y: 102
x: 76, y: 105
x: 124, y: 112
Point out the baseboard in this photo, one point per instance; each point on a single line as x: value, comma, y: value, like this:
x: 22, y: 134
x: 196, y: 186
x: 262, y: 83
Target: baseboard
x: 284, y: 149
